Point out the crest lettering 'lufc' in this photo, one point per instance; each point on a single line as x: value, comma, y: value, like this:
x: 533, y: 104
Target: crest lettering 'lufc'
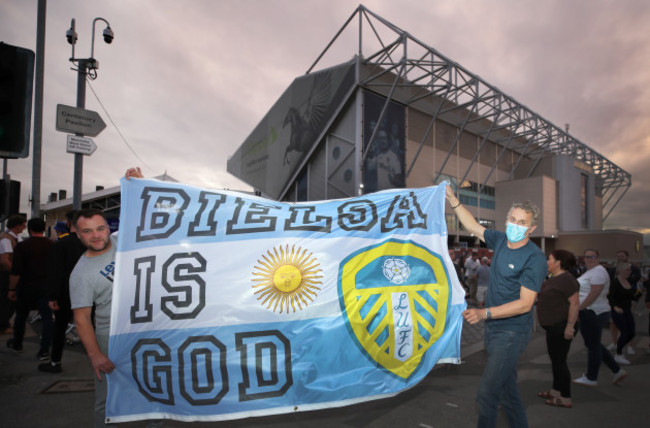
x: 395, y: 297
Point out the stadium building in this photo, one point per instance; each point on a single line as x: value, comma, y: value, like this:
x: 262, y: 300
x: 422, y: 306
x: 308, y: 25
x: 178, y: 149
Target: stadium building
x: 401, y: 114
x: 397, y: 113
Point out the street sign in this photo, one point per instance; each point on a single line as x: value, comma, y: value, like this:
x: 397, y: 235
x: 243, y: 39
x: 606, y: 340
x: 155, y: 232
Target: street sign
x: 83, y: 145
x: 78, y: 120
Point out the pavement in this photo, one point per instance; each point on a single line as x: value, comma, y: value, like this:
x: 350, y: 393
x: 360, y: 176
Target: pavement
x: 445, y: 398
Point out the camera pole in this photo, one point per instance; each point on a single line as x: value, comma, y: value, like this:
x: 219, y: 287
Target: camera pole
x: 85, y: 67
x: 78, y: 157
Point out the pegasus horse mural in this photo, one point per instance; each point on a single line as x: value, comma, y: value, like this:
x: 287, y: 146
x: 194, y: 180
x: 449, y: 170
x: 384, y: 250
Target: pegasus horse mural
x: 306, y: 121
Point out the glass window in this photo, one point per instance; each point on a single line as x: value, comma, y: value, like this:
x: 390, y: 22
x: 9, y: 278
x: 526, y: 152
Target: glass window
x: 301, y: 186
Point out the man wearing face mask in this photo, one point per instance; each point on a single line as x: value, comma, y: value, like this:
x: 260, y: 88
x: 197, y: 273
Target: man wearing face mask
x: 516, y: 275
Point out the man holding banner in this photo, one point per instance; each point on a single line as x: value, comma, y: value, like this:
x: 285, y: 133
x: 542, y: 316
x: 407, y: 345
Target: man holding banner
x: 516, y: 275
x: 91, y: 282
x: 228, y: 305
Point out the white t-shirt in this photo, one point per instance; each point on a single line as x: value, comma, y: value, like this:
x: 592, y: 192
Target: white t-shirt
x: 5, y: 243
x: 471, y: 266
x: 595, y: 276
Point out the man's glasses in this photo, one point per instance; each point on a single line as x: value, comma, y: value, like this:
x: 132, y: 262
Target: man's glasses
x: 591, y: 257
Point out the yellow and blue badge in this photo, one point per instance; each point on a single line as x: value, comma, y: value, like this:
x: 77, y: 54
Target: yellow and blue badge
x: 395, y: 297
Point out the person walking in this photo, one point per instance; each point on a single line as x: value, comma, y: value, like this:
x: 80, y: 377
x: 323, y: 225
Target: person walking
x: 621, y: 295
x: 622, y: 256
x: 62, y: 259
x: 516, y: 275
x: 594, y: 315
x: 27, y: 286
x: 557, y: 311
x: 8, y: 240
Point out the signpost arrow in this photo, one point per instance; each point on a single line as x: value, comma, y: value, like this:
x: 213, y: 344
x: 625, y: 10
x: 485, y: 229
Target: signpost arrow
x: 78, y: 120
x: 83, y: 145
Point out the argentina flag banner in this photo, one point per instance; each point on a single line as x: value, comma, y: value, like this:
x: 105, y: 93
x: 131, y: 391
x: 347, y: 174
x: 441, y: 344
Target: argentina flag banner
x: 227, y: 305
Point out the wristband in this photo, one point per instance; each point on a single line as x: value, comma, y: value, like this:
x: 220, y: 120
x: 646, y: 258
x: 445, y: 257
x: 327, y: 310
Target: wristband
x: 457, y: 205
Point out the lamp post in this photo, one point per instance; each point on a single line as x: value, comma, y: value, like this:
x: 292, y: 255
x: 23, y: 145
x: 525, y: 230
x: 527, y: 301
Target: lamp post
x: 85, y: 67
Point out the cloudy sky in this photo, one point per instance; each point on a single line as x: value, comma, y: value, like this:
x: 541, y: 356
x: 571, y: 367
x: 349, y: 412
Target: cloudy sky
x: 185, y: 82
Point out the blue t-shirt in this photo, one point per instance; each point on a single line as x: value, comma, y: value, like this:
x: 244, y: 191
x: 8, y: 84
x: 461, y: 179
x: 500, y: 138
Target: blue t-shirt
x: 510, y: 270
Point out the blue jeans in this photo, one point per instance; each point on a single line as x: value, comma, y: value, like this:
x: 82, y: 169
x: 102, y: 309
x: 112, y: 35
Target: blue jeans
x: 591, y: 328
x: 499, y: 382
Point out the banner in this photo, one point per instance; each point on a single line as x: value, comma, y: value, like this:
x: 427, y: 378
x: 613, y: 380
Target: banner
x: 227, y: 305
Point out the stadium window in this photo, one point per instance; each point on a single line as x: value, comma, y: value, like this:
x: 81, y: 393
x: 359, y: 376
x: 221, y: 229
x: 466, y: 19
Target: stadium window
x: 488, y: 224
x: 468, y: 200
x: 487, y: 204
x: 301, y: 186
x: 452, y: 222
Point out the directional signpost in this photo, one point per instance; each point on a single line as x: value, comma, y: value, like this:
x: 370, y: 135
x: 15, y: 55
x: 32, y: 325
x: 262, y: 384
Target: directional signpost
x: 78, y: 120
x: 82, y: 122
x: 83, y: 145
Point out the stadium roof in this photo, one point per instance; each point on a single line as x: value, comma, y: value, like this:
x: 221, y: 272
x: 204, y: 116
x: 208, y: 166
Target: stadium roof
x: 413, y: 73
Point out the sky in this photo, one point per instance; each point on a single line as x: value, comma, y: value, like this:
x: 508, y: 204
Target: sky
x: 185, y: 82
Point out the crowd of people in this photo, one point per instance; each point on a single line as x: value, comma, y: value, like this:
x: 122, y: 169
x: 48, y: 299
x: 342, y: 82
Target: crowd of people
x: 70, y: 278
x: 570, y: 296
x: 35, y: 274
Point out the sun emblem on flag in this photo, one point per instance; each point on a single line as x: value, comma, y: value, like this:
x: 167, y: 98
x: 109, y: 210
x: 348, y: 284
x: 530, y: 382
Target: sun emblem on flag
x: 287, y: 278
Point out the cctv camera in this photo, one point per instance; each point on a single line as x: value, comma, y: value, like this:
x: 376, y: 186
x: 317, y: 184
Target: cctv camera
x: 108, y: 35
x: 71, y: 35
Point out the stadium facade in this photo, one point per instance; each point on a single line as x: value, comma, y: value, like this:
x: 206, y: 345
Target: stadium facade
x: 401, y: 114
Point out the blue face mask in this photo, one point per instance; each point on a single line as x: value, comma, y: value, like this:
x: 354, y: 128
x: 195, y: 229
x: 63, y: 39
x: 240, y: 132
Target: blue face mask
x: 515, y: 233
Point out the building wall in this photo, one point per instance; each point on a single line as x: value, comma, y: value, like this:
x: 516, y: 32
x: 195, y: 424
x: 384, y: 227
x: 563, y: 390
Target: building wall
x: 569, y: 173
x: 607, y: 242
x: 598, y: 212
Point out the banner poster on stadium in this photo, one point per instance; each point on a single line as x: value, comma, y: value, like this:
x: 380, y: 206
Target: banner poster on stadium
x: 227, y: 305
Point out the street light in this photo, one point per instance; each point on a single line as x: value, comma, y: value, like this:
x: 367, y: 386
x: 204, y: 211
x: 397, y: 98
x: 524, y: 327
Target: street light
x: 85, y: 67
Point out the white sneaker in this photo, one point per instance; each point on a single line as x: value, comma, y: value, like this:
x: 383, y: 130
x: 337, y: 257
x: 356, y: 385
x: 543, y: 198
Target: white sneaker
x: 582, y: 380
x: 619, y: 376
x: 611, y: 347
x: 620, y: 358
x: 630, y: 350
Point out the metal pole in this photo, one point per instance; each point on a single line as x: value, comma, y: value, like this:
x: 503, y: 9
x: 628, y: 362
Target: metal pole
x: 38, y: 110
x: 7, y: 189
x: 78, y: 157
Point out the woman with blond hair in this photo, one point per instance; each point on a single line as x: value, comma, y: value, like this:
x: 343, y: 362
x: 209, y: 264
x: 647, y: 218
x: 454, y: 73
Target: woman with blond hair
x: 621, y: 295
